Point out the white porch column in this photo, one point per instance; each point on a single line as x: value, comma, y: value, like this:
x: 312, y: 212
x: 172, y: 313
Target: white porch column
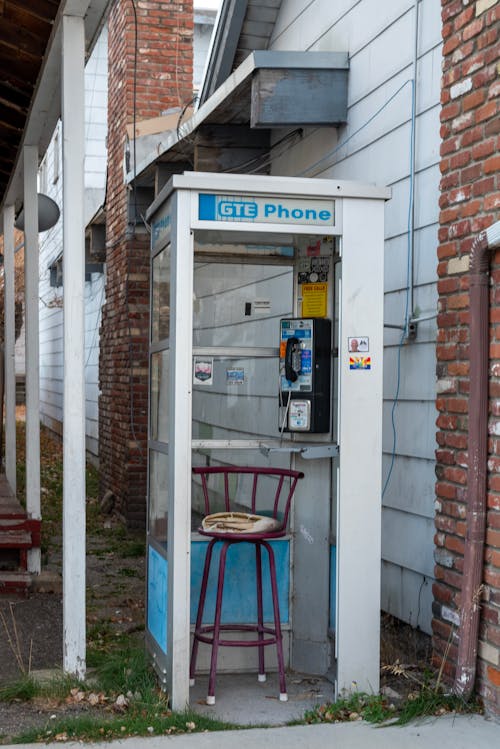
x: 73, y: 101
x: 9, y: 339
x: 31, y: 277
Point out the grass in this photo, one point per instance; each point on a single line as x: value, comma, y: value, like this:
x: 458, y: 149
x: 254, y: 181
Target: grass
x: 373, y: 708
x: 27, y: 688
x: 429, y: 702
x: 133, y: 723
x: 129, y: 703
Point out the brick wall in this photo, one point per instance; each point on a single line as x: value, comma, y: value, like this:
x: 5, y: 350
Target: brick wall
x: 469, y: 202
x: 163, y: 81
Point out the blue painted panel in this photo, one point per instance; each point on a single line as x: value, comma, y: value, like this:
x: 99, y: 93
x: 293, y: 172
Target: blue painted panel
x: 157, y: 598
x: 239, y: 603
x: 333, y: 586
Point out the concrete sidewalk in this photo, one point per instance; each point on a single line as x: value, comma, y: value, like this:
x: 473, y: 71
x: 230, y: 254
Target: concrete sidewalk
x: 447, y: 732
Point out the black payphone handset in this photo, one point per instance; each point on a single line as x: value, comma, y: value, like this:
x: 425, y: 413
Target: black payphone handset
x: 305, y: 363
x: 293, y: 359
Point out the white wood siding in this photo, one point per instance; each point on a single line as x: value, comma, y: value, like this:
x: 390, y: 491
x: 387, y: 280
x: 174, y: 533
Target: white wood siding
x: 51, y: 317
x: 379, y: 38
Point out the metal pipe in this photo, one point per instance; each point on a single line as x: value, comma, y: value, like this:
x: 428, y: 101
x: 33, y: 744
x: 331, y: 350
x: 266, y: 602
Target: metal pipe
x: 477, y: 451
x: 411, y: 208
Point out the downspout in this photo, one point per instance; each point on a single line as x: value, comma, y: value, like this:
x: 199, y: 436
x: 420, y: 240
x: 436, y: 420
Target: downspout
x: 410, y: 306
x: 477, y: 450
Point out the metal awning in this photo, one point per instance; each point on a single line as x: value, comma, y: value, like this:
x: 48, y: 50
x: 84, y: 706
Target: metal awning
x: 244, y: 97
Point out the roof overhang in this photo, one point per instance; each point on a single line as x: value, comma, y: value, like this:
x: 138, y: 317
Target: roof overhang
x: 45, y: 106
x: 263, y: 83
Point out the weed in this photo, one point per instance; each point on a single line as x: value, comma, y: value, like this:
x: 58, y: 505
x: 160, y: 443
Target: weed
x: 24, y: 688
x: 123, y: 682
x: 376, y: 709
x: 12, y: 636
x: 433, y: 702
x: 127, y: 572
x: 136, y: 722
x: 133, y: 549
x: 126, y: 670
x: 370, y: 707
x: 27, y: 688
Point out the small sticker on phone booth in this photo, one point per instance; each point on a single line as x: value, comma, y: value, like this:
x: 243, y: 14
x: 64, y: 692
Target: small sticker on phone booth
x: 360, y: 362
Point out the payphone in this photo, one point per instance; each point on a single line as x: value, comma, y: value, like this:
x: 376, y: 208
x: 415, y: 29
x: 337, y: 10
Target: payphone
x: 305, y: 363
x: 259, y: 271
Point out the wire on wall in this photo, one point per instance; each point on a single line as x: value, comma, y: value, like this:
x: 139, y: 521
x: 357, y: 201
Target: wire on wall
x: 409, y: 256
x: 308, y: 172
x: 324, y: 163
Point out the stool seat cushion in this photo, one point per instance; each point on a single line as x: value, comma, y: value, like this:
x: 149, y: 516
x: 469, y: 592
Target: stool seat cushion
x: 239, y: 522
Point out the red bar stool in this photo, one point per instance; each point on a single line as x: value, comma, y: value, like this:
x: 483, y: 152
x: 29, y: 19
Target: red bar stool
x: 252, y: 527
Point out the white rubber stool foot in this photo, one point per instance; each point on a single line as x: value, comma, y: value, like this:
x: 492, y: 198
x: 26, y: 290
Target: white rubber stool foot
x: 283, y: 697
x: 191, y: 682
x: 211, y: 699
x: 262, y: 677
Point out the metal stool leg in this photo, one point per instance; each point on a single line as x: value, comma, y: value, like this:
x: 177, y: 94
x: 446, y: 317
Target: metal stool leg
x: 199, y: 614
x: 217, y: 620
x: 260, y: 611
x: 277, y: 624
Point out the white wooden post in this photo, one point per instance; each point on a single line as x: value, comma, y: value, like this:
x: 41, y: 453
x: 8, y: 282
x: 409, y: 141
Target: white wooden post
x: 9, y: 339
x: 179, y: 446
x: 31, y: 274
x: 73, y: 49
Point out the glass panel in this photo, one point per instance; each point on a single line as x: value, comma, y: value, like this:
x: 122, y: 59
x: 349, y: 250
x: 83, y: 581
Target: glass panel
x: 159, y: 395
x: 160, y: 302
x: 158, y: 507
x: 236, y: 398
x: 240, y: 304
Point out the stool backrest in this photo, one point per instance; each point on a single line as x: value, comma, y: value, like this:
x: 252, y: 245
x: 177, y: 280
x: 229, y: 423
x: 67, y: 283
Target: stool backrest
x: 261, y: 480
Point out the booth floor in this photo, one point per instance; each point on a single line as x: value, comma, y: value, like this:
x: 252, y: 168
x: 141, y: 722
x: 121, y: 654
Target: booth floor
x: 241, y: 699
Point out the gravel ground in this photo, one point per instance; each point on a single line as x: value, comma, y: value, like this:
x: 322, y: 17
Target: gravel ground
x: 31, y: 633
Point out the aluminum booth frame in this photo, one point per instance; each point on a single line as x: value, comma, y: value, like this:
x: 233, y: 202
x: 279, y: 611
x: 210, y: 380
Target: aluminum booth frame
x: 225, y: 209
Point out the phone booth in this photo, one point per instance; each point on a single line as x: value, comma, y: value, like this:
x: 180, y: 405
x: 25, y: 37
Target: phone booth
x: 266, y: 351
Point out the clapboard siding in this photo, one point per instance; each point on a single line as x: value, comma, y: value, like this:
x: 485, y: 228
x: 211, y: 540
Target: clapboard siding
x: 409, y: 471
x: 407, y: 594
x: 379, y: 38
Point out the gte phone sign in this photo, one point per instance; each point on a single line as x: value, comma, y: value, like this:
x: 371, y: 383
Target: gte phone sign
x: 233, y: 210
x: 266, y: 210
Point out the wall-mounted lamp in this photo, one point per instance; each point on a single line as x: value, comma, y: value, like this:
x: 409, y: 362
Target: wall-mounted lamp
x: 48, y: 214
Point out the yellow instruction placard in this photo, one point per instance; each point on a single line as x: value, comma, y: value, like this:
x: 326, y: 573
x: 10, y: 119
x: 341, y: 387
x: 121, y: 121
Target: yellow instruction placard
x: 314, y: 299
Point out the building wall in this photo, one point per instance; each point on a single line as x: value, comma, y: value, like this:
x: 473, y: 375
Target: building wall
x: 161, y: 74
x: 51, y: 298
x: 469, y: 202
x: 380, y: 40
x: 204, y: 19
x: 96, y: 129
